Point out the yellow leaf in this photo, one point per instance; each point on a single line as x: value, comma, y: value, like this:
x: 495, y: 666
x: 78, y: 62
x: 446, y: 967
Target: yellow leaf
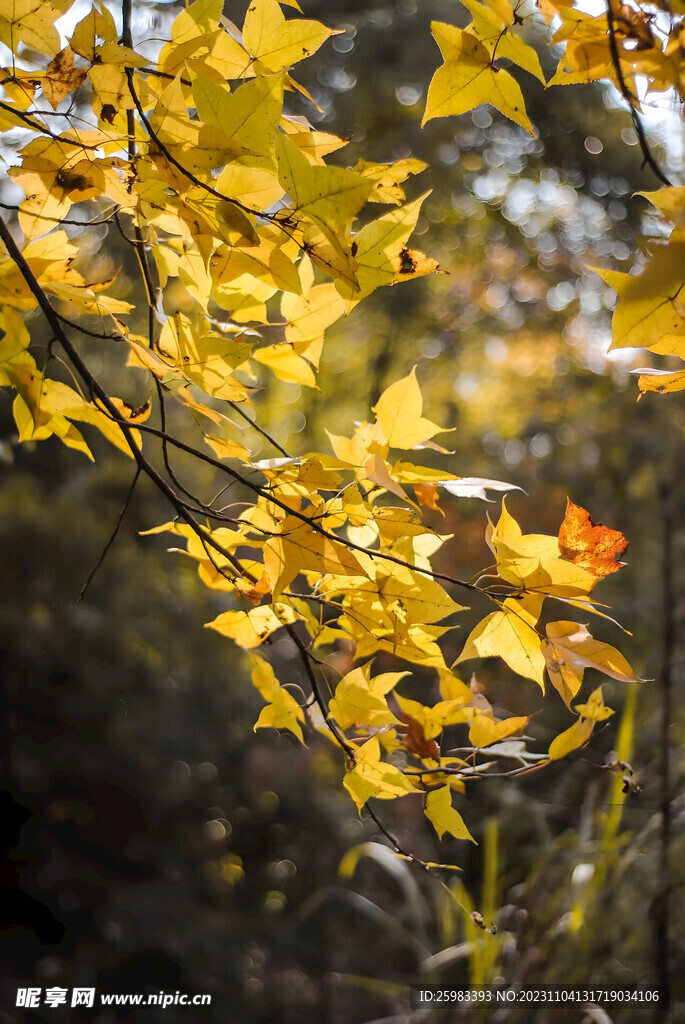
x: 510, y: 635
x: 663, y: 382
x: 387, y: 178
x: 276, y: 43
x: 670, y: 202
x: 282, y: 713
x: 376, y: 469
x: 206, y: 361
x: 381, y: 255
x: 650, y: 310
x: 595, y: 710
x: 354, y: 703
x: 571, y: 739
x: 253, y: 185
x: 286, y: 364
x: 282, y: 710
x: 580, y: 732
x: 569, y: 650
x: 248, y: 117
x: 299, y: 547
x: 61, y: 77
x: 314, y: 144
x: 534, y: 561
x: 468, y: 78
x: 372, y: 777
x: 434, y: 719
x: 250, y: 629
x: 310, y: 314
x: 485, y: 730
x: 495, y: 33
x: 31, y: 22
x: 443, y: 817
x: 398, y: 412
x: 330, y: 196
x: 97, y: 24
x: 224, y: 448
x: 404, y: 591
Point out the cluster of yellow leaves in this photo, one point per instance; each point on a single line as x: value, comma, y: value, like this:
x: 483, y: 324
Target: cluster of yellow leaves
x: 235, y: 213
x: 230, y: 195
x: 324, y: 549
x: 472, y: 72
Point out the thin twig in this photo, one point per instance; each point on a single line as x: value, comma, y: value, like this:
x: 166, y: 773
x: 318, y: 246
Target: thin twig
x: 112, y: 538
x: 59, y: 220
x: 259, y: 429
x: 36, y: 126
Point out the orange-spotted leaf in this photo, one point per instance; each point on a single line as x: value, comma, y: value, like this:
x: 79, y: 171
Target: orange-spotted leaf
x: 591, y: 545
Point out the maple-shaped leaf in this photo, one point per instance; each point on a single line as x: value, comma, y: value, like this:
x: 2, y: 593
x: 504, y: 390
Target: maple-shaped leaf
x: 432, y: 720
x: 313, y: 143
x: 591, y: 545
x: 469, y: 78
x: 331, y: 196
x: 361, y: 700
x: 569, y: 649
x: 381, y: 255
x: 371, y: 777
x: 300, y: 547
x: 282, y: 710
x: 97, y: 27
x: 248, y: 117
x: 443, y: 816
x: 428, y: 495
x: 387, y: 178
x: 398, y: 413
x: 510, y: 634
x: 206, y: 360
x: 277, y: 43
x: 310, y: 314
x: 594, y: 709
x: 250, y: 629
x: 402, y: 591
x: 650, y: 309
x: 226, y: 448
x: 62, y: 77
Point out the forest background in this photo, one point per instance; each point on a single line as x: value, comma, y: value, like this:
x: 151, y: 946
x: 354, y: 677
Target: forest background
x: 155, y: 839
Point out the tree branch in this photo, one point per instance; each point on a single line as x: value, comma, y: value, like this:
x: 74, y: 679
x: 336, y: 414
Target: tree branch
x: 627, y: 96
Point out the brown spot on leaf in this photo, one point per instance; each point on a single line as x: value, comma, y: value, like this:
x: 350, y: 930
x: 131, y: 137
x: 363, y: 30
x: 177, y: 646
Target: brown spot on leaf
x: 407, y: 262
